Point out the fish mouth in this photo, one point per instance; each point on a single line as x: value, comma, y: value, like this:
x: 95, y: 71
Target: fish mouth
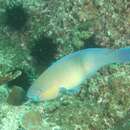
x: 32, y: 96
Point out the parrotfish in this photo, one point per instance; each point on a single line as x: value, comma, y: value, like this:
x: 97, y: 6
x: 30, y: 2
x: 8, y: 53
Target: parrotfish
x: 70, y: 71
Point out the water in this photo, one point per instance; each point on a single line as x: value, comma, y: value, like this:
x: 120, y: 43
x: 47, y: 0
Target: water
x: 35, y: 34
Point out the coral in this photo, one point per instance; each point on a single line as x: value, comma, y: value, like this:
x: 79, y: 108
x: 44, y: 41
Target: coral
x: 122, y: 124
x: 9, y: 76
x: 10, y: 122
x: 10, y: 116
x: 32, y: 120
x: 14, y: 61
x: 23, y: 80
x: 103, y: 103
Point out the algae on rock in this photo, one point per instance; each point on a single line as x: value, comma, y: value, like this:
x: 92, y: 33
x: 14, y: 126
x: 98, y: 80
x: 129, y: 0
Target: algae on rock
x: 104, y: 99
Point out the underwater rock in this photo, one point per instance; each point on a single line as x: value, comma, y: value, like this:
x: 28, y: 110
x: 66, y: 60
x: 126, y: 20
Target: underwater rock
x: 32, y: 120
x: 9, y: 76
x: 15, y: 63
x: 123, y: 123
x: 16, y: 96
x: 23, y: 80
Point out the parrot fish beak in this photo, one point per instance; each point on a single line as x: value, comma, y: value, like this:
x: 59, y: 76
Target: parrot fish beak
x: 33, y: 95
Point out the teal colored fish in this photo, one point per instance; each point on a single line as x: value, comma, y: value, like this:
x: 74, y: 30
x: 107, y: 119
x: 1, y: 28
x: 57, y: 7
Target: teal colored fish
x: 70, y: 71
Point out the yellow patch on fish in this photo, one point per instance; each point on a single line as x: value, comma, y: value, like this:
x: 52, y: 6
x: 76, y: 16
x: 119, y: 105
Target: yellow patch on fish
x: 50, y: 93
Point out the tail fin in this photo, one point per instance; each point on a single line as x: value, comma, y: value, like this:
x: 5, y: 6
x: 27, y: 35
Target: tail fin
x: 122, y: 55
x: 98, y: 57
x: 106, y: 56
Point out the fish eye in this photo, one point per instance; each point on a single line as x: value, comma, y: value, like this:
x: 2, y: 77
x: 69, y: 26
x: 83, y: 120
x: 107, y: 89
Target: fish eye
x: 34, y: 98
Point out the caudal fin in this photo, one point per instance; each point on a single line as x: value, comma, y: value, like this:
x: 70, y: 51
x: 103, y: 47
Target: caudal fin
x: 104, y: 56
x: 122, y: 55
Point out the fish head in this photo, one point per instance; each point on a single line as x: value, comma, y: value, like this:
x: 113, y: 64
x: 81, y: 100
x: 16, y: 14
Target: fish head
x: 39, y: 94
x: 34, y: 94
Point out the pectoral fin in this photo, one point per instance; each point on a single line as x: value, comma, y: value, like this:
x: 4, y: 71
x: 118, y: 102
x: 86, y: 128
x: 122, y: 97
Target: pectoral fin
x: 71, y: 91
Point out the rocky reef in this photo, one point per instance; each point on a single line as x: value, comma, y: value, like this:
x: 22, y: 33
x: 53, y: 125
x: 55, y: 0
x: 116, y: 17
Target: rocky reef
x: 34, y: 34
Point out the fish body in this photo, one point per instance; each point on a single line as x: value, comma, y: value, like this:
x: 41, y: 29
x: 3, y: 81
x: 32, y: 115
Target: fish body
x: 70, y: 71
